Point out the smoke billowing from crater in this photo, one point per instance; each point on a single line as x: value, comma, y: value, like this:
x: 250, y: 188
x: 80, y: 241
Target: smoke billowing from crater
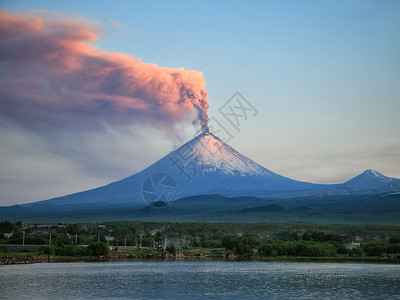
x: 52, y: 75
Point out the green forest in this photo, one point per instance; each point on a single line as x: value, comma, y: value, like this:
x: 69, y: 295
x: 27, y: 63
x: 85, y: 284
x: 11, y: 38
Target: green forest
x: 266, y: 239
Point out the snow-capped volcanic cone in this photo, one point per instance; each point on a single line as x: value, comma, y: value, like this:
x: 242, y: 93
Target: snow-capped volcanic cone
x: 203, y: 165
x: 207, y: 164
x: 371, y: 180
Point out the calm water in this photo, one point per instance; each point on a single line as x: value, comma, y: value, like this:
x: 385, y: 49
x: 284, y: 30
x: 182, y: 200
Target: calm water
x: 203, y: 279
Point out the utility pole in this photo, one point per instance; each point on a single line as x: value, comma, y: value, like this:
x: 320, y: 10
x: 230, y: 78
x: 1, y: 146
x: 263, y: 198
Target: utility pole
x: 23, y: 238
x: 50, y: 240
x: 125, y: 241
x: 76, y: 238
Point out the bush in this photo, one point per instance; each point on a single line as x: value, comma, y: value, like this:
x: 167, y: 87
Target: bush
x: 170, y: 249
x: 49, y: 250
x: 97, y: 249
x: 241, y: 246
x: 356, y: 251
x: 69, y: 250
x: 241, y: 249
x: 375, y: 248
x: 297, y: 248
x: 268, y: 249
x: 3, y: 249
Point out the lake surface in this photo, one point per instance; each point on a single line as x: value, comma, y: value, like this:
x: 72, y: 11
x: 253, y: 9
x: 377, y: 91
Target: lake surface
x: 200, y: 279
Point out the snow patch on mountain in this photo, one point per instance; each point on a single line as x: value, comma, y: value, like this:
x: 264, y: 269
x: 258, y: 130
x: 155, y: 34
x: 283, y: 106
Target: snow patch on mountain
x: 375, y: 176
x: 209, y: 154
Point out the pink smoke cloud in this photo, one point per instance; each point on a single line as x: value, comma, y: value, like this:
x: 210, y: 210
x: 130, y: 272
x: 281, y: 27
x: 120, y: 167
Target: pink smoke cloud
x: 52, y: 73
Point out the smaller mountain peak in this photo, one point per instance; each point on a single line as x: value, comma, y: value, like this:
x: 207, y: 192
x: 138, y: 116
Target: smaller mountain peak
x: 368, y: 178
x: 372, y: 172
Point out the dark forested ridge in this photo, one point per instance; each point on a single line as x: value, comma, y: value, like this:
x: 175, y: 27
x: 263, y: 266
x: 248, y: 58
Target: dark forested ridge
x: 368, y: 209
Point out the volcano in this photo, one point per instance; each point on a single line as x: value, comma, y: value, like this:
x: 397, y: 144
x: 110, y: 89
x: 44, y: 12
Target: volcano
x: 207, y: 165
x: 204, y: 165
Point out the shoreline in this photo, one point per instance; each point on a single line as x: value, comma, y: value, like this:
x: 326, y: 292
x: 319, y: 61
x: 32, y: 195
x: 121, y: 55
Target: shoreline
x: 34, y: 258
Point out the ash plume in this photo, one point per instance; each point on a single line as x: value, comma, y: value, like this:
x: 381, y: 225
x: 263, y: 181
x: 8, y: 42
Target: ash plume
x: 53, y: 75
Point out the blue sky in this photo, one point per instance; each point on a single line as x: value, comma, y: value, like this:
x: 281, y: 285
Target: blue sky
x: 324, y: 77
